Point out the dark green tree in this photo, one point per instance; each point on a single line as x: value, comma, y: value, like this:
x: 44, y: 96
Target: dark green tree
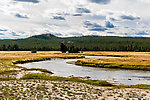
x: 4, y: 47
x: 73, y: 49
x: 63, y: 48
x: 33, y: 50
x: 15, y: 47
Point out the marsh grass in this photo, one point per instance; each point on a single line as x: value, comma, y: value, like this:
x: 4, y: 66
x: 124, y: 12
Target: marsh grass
x: 87, y: 81
x: 11, y: 58
x: 7, y: 79
x: 3, y: 69
x: 112, y: 65
x: 30, y: 60
x: 39, y: 69
x: 56, y: 78
x: 127, y: 60
x: 14, y: 57
x: 140, y: 86
x: 8, y: 72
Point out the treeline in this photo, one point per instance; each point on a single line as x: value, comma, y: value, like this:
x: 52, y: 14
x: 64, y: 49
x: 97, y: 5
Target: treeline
x: 76, y: 48
x: 15, y: 47
x: 48, y: 42
x: 119, y: 48
x: 70, y: 49
x: 9, y: 48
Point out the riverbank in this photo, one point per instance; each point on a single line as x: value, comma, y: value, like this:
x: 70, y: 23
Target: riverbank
x: 52, y: 90
x: 125, y: 60
x: 39, y: 86
x: 9, y: 59
x: 20, y: 83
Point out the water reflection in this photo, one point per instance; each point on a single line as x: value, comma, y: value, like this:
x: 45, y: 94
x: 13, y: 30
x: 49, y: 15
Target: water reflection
x: 60, y: 68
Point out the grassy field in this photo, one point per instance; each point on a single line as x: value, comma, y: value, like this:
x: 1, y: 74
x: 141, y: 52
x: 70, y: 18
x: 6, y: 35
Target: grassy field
x: 22, y: 84
x: 125, y: 60
x: 8, y: 59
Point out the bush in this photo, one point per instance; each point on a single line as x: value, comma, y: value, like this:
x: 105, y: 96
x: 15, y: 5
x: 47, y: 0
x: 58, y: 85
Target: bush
x: 33, y: 51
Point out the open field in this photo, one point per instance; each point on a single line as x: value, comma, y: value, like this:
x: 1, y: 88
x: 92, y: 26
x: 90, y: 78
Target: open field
x: 21, y: 84
x: 126, y: 60
x: 10, y: 58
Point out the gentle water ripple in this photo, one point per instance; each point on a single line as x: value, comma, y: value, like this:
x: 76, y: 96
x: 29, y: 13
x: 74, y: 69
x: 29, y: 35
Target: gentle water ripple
x: 60, y: 68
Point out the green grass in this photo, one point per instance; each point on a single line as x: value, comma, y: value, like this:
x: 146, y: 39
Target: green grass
x: 88, y: 81
x: 91, y: 82
x: 56, y: 78
x: 140, y: 86
x: 8, y: 72
x: 30, y: 60
x: 7, y: 79
x: 39, y: 69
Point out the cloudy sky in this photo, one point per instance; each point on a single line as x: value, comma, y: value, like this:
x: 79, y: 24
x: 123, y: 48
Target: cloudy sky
x: 65, y: 18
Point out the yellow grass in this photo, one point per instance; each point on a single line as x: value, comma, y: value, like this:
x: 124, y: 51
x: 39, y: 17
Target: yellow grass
x: 130, y: 58
x: 125, y: 59
x: 8, y: 57
x: 128, y: 54
x: 3, y: 69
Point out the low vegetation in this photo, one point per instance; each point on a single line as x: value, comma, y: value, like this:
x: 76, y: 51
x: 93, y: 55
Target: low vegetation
x: 87, y: 81
x: 44, y: 86
x: 55, y: 78
x: 125, y: 60
x: 62, y: 90
x: 140, y: 86
x: 39, y: 69
x: 13, y: 57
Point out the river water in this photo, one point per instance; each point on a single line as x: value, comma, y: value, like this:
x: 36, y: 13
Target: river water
x: 60, y: 68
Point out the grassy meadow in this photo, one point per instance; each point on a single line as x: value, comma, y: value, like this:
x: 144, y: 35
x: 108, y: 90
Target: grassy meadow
x: 10, y: 58
x: 22, y: 84
x: 125, y: 60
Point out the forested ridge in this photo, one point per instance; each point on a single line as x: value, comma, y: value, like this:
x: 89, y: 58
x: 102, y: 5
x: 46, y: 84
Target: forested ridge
x: 86, y: 43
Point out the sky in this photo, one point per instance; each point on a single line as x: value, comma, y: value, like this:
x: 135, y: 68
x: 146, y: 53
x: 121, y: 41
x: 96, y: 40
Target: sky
x: 67, y: 18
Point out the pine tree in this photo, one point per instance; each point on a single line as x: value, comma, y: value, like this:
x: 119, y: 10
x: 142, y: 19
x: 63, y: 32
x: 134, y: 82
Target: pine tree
x: 63, y: 48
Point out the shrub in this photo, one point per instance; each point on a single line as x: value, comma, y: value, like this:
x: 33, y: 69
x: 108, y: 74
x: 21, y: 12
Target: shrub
x: 33, y: 51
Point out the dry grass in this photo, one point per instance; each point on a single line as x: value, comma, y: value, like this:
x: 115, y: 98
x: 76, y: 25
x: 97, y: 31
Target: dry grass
x: 124, y: 54
x: 9, y: 57
x: 125, y: 60
x: 3, y: 69
x: 130, y: 58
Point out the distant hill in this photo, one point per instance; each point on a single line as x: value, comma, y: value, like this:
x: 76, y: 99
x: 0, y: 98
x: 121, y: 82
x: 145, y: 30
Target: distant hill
x: 44, y: 36
x: 51, y: 42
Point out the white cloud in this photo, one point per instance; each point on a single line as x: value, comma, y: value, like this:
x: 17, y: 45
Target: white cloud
x: 66, y: 17
x: 144, y: 1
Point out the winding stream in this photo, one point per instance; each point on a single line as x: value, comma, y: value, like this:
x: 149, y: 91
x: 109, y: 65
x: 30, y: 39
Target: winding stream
x: 60, y: 68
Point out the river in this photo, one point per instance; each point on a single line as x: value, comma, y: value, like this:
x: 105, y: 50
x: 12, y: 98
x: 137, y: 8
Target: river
x: 60, y: 68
